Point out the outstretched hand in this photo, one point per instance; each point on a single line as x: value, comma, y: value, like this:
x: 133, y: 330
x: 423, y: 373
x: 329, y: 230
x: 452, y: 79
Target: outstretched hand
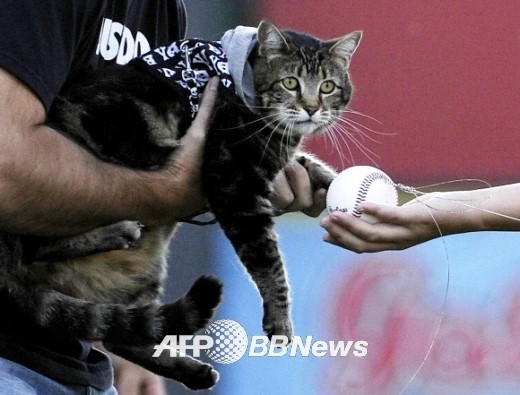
x: 398, y: 227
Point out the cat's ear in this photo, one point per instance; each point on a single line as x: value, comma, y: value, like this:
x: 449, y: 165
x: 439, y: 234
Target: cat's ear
x: 272, y: 42
x: 345, y: 47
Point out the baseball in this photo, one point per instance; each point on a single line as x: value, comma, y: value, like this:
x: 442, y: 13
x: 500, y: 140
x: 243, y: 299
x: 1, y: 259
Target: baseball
x: 358, y: 184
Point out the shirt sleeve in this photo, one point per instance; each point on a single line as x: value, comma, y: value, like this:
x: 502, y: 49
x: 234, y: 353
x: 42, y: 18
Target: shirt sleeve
x: 38, y: 39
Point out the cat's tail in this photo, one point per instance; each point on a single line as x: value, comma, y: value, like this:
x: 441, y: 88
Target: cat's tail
x: 115, y: 323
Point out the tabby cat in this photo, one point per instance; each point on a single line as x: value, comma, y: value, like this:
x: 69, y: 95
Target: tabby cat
x: 125, y: 115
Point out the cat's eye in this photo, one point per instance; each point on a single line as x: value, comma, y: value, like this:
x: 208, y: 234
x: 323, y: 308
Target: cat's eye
x: 290, y: 83
x: 327, y: 87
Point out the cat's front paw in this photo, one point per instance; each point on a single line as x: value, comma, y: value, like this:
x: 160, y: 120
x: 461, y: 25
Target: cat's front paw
x: 278, y: 327
x: 320, y: 173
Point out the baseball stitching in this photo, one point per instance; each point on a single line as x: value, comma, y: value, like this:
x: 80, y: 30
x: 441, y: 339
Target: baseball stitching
x: 365, y: 186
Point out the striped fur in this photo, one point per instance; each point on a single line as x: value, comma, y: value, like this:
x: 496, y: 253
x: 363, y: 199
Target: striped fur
x: 127, y: 115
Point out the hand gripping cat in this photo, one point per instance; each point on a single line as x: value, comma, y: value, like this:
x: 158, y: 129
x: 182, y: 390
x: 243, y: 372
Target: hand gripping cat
x: 284, y: 86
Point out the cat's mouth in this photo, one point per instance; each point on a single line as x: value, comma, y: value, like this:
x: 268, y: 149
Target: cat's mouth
x: 309, y: 127
x: 301, y: 122
x: 310, y: 121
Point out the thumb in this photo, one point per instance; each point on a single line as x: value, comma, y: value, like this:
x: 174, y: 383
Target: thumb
x: 200, y: 124
x: 185, y: 165
x: 192, y: 143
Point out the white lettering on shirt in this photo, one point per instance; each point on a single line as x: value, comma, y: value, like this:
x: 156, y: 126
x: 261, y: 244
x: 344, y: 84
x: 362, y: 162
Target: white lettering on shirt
x: 116, y: 41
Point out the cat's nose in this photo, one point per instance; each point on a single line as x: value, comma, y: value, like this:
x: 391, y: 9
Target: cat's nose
x: 311, y: 110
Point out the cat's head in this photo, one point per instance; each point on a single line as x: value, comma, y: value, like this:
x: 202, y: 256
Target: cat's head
x: 301, y: 82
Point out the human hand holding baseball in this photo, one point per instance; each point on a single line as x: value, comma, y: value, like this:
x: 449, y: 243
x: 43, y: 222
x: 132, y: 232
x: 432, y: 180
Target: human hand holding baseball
x: 426, y: 217
x: 364, y: 215
x: 358, y: 184
x: 397, y: 227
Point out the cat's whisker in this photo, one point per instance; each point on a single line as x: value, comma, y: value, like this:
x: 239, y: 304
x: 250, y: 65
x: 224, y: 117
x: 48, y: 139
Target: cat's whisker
x: 354, y: 136
x: 286, y: 136
x: 279, y: 118
x: 334, y: 138
x: 335, y: 131
x: 237, y: 188
x: 351, y: 111
x: 289, y: 137
x: 346, y: 133
x: 258, y: 98
x: 267, y: 125
x: 347, y: 112
x: 362, y: 130
x: 284, y: 124
x: 259, y: 120
x: 282, y: 142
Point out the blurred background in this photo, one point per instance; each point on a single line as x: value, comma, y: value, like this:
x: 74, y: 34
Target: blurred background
x: 436, y: 100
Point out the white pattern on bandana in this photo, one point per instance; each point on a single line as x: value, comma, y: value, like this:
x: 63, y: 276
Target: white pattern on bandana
x: 191, y: 63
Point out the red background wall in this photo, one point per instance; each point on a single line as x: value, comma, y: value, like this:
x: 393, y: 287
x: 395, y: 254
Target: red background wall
x: 442, y: 78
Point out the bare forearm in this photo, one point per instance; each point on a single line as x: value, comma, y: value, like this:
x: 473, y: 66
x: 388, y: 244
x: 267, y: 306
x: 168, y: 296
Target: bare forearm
x: 401, y: 227
x: 496, y: 208
x: 49, y: 185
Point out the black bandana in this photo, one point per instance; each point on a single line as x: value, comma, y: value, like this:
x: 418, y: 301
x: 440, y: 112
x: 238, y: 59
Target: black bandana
x: 191, y: 63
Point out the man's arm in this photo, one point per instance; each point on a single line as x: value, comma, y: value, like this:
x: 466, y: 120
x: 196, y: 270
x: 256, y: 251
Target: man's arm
x: 51, y: 186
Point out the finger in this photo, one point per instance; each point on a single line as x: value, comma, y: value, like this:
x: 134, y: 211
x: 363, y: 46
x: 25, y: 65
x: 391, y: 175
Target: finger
x: 340, y: 236
x: 185, y: 164
x: 300, y: 184
x: 153, y: 385
x: 192, y: 143
x: 282, y: 195
x: 127, y: 379
x: 328, y: 238
x: 353, y: 243
x: 383, y: 212
x: 346, y: 223
x: 201, y: 121
x: 358, y: 235
x: 348, y: 241
x: 318, y: 204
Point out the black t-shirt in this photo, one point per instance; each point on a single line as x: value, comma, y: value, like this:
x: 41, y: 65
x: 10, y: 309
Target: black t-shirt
x: 44, y: 43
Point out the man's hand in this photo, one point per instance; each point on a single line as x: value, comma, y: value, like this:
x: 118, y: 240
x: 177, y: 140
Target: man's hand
x: 293, y: 192
x: 181, y: 177
x: 51, y: 186
x: 131, y: 379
